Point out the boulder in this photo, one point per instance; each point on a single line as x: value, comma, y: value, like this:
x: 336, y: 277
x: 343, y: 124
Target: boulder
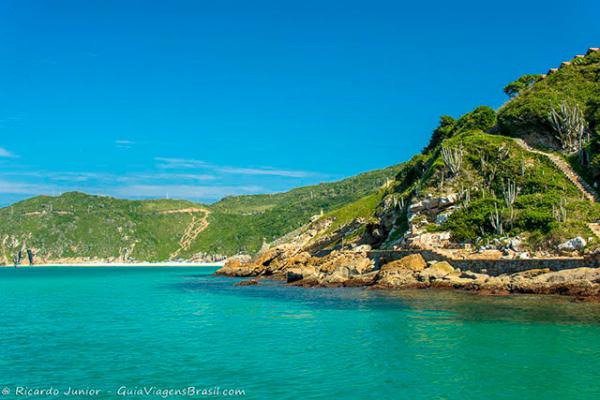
x: 579, y: 282
x: 577, y: 243
x: 413, y: 262
x: 299, y: 273
x: 474, y: 276
x: 415, y: 207
x: 396, y: 278
x: 429, y: 240
x: 361, y: 280
x: 297, y: 260
x: 401, y: 273
x: 438, y: 270
x: 430, y: 202
x: 515, y: 244
x: 237, y: 266
x: 337, y: 276
x: 294, y: 274
x: 441, y: 218
x: 239, y: 270
x: 448, y: 200
x: 495, y: 285
x: 354, y: 263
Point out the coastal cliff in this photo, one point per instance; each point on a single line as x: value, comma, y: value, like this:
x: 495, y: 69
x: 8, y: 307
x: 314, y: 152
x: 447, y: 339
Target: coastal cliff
x: 484, y: 199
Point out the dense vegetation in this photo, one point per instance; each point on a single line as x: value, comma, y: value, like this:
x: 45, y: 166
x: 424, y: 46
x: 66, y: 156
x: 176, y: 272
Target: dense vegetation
x: 546, y: 209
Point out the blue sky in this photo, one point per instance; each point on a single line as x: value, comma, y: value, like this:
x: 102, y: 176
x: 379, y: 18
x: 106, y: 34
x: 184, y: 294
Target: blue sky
x: 202, y: 99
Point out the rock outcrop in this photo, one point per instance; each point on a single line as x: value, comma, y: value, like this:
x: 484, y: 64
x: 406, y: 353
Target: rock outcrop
x: 410, y: 272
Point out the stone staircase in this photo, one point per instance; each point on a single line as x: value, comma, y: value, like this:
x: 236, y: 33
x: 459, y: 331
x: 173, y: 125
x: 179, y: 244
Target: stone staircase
x: 595, y: 228
x: 586, y: 190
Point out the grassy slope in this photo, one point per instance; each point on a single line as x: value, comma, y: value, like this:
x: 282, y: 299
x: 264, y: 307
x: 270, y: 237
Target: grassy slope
x: 80, y: 225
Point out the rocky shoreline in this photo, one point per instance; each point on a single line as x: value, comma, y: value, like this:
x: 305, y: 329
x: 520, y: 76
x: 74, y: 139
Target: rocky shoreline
x: 356, y: 268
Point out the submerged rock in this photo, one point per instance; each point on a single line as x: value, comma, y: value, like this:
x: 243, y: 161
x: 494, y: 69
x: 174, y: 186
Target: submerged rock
x: 251, y: 282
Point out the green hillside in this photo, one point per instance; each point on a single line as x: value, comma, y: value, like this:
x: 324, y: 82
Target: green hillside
x: 504, y: 187
x: 77, y: 225
x: 576, y: 84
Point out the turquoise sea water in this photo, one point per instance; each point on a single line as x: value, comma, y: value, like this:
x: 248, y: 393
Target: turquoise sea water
x: 171, y: 328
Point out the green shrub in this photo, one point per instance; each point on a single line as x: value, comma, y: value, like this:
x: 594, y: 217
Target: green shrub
x: 482, y: 118
x: 466, y: 224
x: 531, y: 219
x: 444, y: 130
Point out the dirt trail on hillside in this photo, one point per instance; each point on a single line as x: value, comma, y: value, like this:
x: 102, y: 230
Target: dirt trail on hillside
x: 194, y: 228
x: 190, y: 210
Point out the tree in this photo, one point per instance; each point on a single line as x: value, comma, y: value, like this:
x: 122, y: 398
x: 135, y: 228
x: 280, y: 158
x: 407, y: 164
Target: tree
x: 443, y: 131
x: 482, y: 118
x: 526, y: 81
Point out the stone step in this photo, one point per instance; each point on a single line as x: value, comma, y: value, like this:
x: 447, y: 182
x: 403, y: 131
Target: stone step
x: 595, y: 227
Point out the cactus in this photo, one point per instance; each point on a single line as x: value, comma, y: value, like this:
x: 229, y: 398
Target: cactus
x: 510, y: 193
x: 503, y: 152
x: 442, y: 180
x: 398, y: 204
x: 560, y: 213
x: 569, y: 125
x: 496, y: 221
x: 453, y: 159
x: 465, y: 196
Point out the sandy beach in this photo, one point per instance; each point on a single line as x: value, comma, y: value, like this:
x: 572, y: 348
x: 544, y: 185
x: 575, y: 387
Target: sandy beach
x: 105, y: 264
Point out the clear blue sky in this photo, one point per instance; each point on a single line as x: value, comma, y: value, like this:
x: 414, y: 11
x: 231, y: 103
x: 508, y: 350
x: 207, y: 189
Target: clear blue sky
x: 201, y: 99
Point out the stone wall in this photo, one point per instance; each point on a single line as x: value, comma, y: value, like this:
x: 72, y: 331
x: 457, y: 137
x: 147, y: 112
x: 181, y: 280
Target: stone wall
x: 498, y: 267
x: 490, y: 267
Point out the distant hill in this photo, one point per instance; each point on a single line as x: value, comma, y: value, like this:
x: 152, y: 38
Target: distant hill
x: 80, y: 226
